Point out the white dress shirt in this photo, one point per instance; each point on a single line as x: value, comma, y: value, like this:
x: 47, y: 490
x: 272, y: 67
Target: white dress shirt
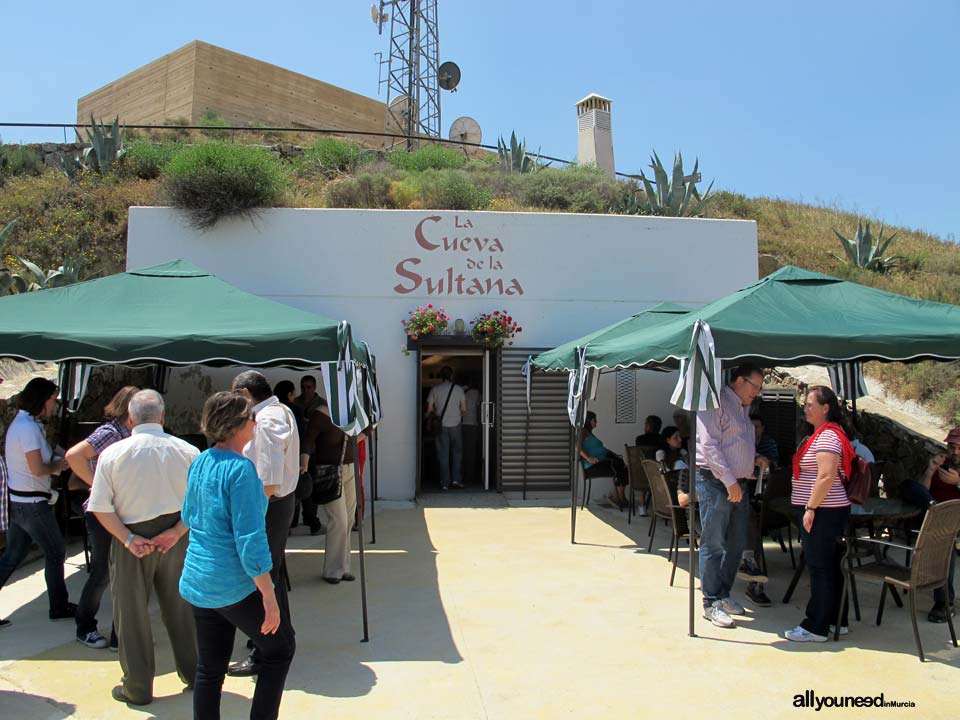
x: 275, y: 447
x: 24, y: 435
x: 143, y: 476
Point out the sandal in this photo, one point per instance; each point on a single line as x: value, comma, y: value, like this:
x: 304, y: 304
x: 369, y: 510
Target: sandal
x: 615, y: 501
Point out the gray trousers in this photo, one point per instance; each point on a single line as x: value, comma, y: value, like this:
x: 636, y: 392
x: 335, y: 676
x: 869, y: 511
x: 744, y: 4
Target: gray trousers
x: 132, y: 581
x: 340, y: 513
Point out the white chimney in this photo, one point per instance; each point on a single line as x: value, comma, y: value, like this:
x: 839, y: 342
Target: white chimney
x: 595, y: 133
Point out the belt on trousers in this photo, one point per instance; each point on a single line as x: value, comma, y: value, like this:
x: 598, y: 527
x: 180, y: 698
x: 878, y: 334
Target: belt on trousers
x: 710, y: 476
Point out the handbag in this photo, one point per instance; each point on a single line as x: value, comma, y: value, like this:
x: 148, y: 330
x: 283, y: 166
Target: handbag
x: 328, y: 480
x: 433, y: 424
x: 304, y: 487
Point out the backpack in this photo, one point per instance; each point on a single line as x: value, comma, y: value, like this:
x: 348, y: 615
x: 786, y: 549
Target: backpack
x: 858, y: 485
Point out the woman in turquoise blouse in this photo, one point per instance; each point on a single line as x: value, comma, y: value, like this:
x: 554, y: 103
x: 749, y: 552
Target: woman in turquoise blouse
x: 598, y: 461
x: 226, y: 575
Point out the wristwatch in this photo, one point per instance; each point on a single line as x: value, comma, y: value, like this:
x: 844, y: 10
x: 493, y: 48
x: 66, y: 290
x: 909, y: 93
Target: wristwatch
x: 809, y: 508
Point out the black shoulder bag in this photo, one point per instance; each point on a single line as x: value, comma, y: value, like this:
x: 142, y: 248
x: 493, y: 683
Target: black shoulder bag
x: 434, y: 423
x: 328, y: 480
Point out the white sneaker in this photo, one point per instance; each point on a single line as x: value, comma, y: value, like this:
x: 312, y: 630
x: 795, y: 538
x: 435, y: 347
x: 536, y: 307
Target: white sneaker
x: 642, y: 511
x: 718, y: 616
x: 800, y: 634
x: 731, y: 606
x: 93, y: 639
x: 844, y: 630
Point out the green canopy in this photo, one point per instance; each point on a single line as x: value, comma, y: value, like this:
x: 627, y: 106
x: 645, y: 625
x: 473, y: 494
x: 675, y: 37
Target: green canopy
x: 794, y: 317
x: 175, y: 314
x: 565, y: 358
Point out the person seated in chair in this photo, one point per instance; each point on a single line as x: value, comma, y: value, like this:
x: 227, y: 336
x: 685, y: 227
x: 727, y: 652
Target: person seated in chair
x: 940, y: 482
x: 674, y: 461
x: 766, y: 445
x: 598, y: 461
x: 651, y: 434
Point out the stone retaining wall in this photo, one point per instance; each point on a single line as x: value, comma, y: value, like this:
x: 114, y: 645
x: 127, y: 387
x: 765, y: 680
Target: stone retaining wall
x: 906, y: 453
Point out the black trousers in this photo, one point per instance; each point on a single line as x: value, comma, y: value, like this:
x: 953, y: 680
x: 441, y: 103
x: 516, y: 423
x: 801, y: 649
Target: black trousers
x: 99, y: 578
x: 216, y: 630
x: 613, y: 466
x: 823, y: 553
x: 279, y: 516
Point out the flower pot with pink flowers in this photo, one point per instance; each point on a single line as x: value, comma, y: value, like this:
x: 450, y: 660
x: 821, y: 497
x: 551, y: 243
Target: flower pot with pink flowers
x: 425, y: 320
x: 495, y: 329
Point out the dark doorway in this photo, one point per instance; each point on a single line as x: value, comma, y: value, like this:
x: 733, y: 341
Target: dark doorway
x: 470, y: 366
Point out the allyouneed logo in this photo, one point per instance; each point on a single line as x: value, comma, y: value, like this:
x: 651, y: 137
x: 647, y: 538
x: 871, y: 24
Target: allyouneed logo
x: 810, y: 699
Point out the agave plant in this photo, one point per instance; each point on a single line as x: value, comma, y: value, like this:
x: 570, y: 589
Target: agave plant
x: 6, y: 277
x: 676, y: 195
x: 631, y: 202
x: 515, y: 158
x: 864, y: 253
x: 106, y: 145
x: 70, y: 165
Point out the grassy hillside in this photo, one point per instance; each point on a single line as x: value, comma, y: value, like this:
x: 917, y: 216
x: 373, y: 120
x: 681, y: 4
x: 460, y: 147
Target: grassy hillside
x: 86, y: 217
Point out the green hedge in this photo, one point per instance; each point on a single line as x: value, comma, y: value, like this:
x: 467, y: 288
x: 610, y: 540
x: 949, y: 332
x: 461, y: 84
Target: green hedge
x: 146, y: 160
x: 429, y: 157
x: 331, y: 157
x: 217, y: 179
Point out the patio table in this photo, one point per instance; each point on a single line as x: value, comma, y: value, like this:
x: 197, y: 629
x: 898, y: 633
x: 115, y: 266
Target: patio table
x: 874, y: 511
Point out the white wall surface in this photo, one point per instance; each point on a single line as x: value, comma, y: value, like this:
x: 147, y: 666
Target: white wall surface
x: 559, y: 275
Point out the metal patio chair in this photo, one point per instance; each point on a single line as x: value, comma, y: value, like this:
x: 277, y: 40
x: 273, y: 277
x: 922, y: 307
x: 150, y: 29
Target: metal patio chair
x: 928, y: 570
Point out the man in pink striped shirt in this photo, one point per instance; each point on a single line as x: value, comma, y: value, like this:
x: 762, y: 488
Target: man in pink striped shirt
x: 726, y: 457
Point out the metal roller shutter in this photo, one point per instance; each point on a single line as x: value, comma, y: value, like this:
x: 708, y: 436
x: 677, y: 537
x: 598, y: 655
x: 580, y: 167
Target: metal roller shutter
x: 533, y: 451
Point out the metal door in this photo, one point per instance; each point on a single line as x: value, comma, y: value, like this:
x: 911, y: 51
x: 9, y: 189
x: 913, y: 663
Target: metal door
x: 534, y: 448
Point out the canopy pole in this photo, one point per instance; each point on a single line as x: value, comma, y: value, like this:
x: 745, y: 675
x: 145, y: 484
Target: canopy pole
x: 691, y: 520
x: 358, y: 481
x: 574, y: 481
x: 374, y: 452
x: 581, y: 416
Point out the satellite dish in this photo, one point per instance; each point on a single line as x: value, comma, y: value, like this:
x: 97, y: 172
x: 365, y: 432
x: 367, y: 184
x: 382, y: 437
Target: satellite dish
x: 466, y: 130
x: 378, y: 16
x: 400, y: 106
x: 448, y: 76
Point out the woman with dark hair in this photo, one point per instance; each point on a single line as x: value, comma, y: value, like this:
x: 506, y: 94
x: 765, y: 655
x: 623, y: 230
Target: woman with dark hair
x: 226, y: 574
x: 674, y: 461
x: 820, y: 465
x: 30, y: 463
x: 286, y: 391
x: 82, y: 459
x: 598, y: 461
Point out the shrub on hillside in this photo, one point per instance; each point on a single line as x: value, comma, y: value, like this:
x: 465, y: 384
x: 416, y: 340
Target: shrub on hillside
x: 19, y: 160
x: 217, y: 179
x: 571, y: 189
x: 367, y: 190
x: 210, y: 119
x: 146, y: 160
x: 86, y: 218
x: 331, y: 157
x: 450, y: 190
x: 429, y: 157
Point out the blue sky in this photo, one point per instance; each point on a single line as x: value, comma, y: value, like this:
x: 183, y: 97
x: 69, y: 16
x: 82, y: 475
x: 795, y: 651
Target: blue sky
x: 853, y: 104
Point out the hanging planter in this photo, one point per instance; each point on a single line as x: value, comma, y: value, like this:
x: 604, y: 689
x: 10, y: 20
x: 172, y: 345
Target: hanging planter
x: 424, y: 321
x: 496, y: 329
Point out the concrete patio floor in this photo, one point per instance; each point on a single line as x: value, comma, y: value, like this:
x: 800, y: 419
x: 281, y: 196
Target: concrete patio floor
x: 483, y: 610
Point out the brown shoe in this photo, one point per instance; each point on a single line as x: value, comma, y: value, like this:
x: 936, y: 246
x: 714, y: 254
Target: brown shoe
x: 120, y: 696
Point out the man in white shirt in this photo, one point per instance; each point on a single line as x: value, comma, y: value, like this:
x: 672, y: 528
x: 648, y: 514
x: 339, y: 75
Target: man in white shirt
x: 448, y: 401
x: 137, y: 495
x: 275, y: 451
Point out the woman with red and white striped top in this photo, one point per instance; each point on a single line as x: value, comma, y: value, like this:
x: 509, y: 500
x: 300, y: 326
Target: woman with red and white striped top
x: 820, y: 465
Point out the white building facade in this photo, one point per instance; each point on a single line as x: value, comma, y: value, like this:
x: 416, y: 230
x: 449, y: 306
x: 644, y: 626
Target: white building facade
x: 558, y: 275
